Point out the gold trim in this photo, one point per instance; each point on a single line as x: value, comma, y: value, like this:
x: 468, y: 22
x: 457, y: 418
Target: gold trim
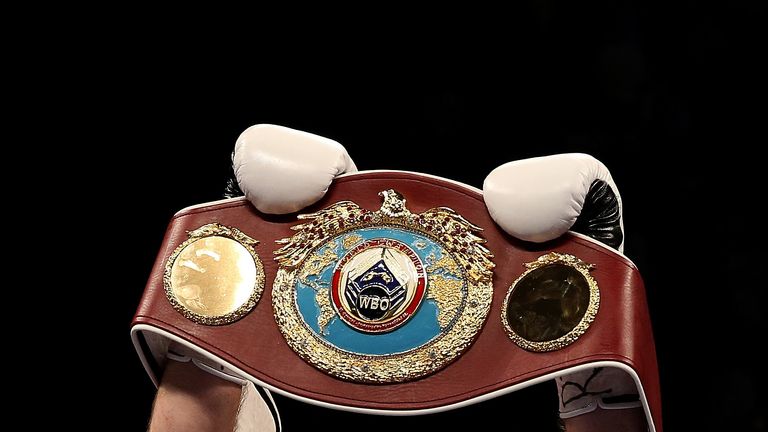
x: 589, y: 316
x: 216, y: 230
x: 456, y: 235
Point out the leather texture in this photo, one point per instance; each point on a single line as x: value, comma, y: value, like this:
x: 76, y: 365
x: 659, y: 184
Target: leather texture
x: 282, y: 170
x: 539, y: 199
x: 621, y: 330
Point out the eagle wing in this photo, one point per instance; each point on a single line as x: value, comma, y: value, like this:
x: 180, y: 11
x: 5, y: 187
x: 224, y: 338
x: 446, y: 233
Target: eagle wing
x: 311, y: 234
x: 462, y: 239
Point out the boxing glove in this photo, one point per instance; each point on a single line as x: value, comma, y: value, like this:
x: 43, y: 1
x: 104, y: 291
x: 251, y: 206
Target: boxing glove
x: 541, y: 198
x: 282, y: 170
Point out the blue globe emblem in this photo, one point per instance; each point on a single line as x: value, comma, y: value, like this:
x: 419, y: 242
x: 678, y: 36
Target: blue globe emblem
x: 380, y: 291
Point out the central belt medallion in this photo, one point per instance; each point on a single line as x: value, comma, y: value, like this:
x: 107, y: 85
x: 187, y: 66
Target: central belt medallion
x: 382, y: 296
x: 378, y: 285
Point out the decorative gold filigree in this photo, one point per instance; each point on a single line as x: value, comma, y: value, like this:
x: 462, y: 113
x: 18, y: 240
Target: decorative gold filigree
x: 461, y: 238
x: 235, y: 296
x: 589, y: 316
x: 217, y: 229
x: 336, y: 218
x: 457, y: 236
x: 558, y: 258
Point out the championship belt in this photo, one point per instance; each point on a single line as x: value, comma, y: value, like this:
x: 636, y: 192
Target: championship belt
x: 394, y: 294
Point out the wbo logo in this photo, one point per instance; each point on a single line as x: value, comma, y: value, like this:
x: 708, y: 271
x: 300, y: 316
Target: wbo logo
x: 377, y: 292
x: 378, y: 285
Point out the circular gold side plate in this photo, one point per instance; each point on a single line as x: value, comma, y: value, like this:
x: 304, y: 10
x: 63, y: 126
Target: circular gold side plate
x: 214, y: 277
x: 551, y: 304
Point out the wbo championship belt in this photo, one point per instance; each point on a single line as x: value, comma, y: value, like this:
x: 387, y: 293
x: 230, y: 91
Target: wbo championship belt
x: 394, y: 294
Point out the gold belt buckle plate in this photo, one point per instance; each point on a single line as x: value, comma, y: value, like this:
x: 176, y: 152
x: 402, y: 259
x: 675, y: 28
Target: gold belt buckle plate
x: 382, y: 296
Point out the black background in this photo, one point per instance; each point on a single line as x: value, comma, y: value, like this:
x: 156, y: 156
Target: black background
x: 666, y: 96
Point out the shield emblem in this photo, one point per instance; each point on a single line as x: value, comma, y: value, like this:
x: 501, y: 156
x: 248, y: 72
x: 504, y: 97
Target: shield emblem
x: 375, y: 293
x: 378, y: 285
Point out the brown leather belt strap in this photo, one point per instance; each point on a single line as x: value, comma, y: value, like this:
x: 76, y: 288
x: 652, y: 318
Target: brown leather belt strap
x: 254, y: 345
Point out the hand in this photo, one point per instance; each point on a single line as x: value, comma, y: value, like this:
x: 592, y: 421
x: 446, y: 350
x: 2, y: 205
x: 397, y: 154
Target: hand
x: 198, y: 395
x: 191, y: 400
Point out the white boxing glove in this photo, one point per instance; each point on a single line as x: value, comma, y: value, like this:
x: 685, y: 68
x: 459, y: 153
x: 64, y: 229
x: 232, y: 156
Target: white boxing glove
x: 282, y: 170
x: 541, y: 198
